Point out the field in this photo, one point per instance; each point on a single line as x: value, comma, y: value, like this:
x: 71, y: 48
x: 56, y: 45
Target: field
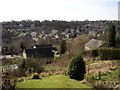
x: 54, y: 81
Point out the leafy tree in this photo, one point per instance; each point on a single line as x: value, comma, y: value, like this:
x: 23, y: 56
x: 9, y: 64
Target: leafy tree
x: 111, y: 36
x: 76, y: 68
x: 63, y: 47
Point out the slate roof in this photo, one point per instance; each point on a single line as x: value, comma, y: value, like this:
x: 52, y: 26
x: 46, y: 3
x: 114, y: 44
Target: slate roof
x: 54, y: 32
x: 41, y: 51
x: 44, y: 46
x: 94, y: 44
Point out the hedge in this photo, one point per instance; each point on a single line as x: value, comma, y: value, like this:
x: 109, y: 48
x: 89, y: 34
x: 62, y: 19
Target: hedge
x: 109, y: 54
x: 106, y: 54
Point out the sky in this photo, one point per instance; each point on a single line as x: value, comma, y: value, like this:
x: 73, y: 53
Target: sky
x: 58, y: 10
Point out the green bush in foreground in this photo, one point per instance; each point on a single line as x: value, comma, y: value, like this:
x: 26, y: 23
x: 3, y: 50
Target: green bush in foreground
x: 76, y: 68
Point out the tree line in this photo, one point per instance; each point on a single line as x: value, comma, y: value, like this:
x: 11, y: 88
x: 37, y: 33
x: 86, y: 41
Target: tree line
x: 26, y: 24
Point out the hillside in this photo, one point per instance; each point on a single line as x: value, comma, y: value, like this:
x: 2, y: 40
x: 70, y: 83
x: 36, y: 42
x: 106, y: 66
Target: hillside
x: 76, y: 45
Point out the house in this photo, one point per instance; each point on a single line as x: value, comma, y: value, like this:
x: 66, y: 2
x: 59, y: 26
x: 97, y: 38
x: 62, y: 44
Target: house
x: 92, y: 34
x: 70, y: 35
x: 54, y: 32
x: 33, y: 34
x: 94, y: 44
x: 72, y: 30
x: 39, y: 51
x: 40, y: 36
x: 67, y: 31
x: 46, y: 36
x: 35, y: 39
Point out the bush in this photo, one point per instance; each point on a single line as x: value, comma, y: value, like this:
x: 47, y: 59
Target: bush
x: 8, y: 81
x: 22, y: 68
x: 36, y: 76
x: 31, y: 65
x: 76, y: 68
x: 94, y: 53
x: 109, y: 54
x: 105, y: 54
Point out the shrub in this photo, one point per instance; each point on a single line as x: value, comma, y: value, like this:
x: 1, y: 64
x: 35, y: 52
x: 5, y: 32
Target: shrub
x: 38, y: 69
x: 76, y: 68
x: 8, y: 81
x: 30, y: 65
x: 36, y: 76
x: 94, y: 53
x: 109, y: 54
x: 105, y: 54
x: 22, y: 68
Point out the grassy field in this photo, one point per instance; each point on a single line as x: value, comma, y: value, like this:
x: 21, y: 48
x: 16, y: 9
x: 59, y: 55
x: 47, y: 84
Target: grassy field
x: 54, y: 81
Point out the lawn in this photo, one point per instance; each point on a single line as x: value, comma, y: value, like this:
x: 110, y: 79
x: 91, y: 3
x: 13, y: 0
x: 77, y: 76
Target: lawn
x: 54, y: 81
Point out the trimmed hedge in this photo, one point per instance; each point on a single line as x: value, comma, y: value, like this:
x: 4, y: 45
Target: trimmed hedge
x: 109, y: 54
x: 106, y: 54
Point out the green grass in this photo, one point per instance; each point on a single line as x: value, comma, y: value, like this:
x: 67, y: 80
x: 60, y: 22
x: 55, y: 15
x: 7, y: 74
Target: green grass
x: 54, y: 81
x: 54, y: 68
x: 108, y: 76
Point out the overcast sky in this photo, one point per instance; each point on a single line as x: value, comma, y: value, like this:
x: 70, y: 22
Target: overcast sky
x: 58, y: 10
